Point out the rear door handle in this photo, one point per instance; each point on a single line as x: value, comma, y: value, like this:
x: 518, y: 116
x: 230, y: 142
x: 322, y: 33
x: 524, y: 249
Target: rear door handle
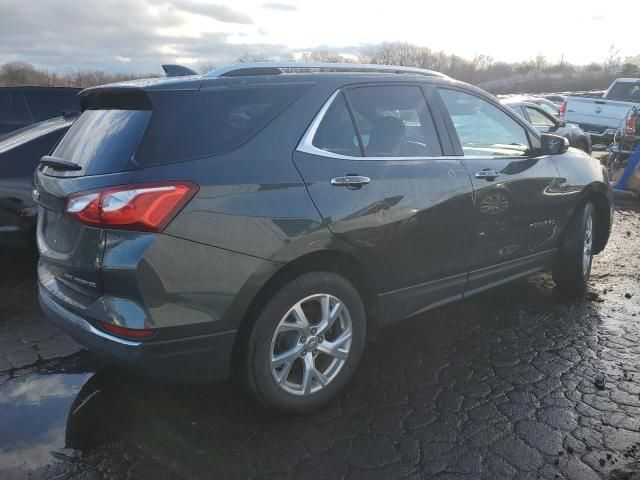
x: 350, y: 181
x: 487, y: 174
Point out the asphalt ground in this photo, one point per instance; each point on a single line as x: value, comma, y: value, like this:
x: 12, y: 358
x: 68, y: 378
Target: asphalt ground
x: 517, y: 382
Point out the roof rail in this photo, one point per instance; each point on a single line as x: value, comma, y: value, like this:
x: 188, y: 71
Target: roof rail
x: 275, y: 68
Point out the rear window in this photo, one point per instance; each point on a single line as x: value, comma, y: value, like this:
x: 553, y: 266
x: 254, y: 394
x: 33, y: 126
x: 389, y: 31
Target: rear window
x: 103, y: 141
x: 625, y: 91
x: 222, y: 119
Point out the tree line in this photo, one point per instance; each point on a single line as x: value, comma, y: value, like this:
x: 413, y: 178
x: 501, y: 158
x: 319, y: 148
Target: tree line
x: 535, y: 75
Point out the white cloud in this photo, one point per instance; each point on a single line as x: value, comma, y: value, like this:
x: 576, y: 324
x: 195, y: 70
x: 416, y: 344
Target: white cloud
x: 65, y: 34
x: 34, y: 390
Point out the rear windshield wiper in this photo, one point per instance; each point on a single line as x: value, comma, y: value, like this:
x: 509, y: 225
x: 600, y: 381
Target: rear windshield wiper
x: 58, y: 163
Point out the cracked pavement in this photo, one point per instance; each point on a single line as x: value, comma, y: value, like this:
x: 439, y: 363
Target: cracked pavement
x: 514, y: 383
x: 26, y: 338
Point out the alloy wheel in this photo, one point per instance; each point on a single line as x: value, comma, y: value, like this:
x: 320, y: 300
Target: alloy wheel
x: 311, y: 344
x: 587, y: 246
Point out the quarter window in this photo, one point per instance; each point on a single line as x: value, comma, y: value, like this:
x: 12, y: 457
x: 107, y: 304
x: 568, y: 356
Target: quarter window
x: 394, y: 121
x: 484, y: 129
x: 336, y: 133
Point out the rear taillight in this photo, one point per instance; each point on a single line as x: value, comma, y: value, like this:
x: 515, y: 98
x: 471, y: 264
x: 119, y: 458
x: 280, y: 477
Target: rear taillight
x: 562, y: 110
x: 142, y: 206
x: 630, y: 126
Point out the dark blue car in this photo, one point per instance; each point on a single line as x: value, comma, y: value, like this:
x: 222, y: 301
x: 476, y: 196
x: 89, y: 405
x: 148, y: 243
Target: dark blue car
x: 261, y: 221
x: 20, y: 152
x: 22, y: 106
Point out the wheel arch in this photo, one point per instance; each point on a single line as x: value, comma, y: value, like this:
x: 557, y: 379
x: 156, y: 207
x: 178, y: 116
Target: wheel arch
x: 340, y: 262
x: 595, y: 194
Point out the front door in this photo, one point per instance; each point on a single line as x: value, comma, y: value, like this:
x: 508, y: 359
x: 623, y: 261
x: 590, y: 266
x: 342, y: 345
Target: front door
x: 516, y: 194
x: 382, y: 185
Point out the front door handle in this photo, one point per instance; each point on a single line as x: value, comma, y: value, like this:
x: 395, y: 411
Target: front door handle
x: 350, y: 181
x: 487, y: 174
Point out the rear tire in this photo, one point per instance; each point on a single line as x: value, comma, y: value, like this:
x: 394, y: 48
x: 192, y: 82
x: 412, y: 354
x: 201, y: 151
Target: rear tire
x: 572, y: 266
x: 305, y: 344
x: 582, y: 145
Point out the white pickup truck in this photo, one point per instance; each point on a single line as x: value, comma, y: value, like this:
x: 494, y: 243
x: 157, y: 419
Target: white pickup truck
x: 601, y: 117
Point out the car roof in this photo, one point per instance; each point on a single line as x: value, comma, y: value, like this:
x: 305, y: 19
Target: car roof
x: 285, y: 72
x: 34, y: 131
x: 522, y: 103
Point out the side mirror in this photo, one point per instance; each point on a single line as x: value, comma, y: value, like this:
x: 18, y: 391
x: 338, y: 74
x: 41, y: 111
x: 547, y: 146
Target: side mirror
x: 554, y: 144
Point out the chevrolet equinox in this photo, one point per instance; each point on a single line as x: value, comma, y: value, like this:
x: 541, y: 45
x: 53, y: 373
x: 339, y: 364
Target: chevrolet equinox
x: 261, y: 221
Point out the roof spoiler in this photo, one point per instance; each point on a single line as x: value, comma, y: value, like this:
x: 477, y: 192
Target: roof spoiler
x: 177, y: 71
x: 114, y: 97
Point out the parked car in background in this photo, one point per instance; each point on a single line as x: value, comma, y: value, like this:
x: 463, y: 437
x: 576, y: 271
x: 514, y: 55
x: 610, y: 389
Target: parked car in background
x: 547, y: 123
x: 616, y: 111
x: 554, y: 98
x: 545, y: 104
x: 22, y: 106
x: 20, y: 152
x: 260, y: 222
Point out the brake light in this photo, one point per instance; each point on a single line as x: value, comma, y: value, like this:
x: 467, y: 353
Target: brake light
x: 630, y: 127
x: 562, y: 110
x: 126, y: 332
x: 143, y: 206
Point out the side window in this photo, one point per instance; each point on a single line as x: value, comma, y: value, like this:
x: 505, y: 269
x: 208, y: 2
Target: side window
x: 484, y: 129
x: 539, y: 119
x: 394, y: 121
x: 219, y: 120
x: 336, y: 132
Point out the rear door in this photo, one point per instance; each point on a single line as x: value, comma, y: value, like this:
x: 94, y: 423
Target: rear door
x: 517, y: 203
x: 378, y: 173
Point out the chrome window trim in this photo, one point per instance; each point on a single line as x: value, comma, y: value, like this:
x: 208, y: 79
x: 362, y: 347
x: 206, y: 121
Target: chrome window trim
x: 306, y: 143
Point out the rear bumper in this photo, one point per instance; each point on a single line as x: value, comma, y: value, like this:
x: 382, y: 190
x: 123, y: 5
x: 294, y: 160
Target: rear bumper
x: 196, y: 359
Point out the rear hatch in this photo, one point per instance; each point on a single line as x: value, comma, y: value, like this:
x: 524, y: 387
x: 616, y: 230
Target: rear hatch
x: 103, y: 148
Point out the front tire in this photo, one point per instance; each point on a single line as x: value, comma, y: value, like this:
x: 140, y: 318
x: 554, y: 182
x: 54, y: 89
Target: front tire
x: 572, y: 267
x: 305, y: 344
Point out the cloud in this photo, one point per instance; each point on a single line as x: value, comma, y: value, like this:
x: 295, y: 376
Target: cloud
x: 283, y: 7
x: 222, y: 13
x: 36, y: 390
x: 129, y: 36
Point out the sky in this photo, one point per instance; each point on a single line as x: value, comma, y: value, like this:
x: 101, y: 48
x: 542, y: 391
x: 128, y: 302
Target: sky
x: 137, y: 36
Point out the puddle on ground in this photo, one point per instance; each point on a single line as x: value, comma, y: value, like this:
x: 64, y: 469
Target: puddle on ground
x: 33, y: 415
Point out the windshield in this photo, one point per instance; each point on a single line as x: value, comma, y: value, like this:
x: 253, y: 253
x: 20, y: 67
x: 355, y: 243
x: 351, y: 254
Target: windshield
x: 27, y: 134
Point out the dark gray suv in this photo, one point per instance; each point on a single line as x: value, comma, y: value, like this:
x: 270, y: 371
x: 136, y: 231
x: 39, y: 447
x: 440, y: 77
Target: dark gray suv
x: 261, y: 221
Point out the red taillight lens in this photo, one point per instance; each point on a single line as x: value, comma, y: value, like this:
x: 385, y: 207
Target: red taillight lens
x: 630, y: 127
x: 143, y: 206
x: 562, y: 109
x: 136, y: 333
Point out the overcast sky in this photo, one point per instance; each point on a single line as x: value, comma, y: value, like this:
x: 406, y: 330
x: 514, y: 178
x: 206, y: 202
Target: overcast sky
x: 139, y: 35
